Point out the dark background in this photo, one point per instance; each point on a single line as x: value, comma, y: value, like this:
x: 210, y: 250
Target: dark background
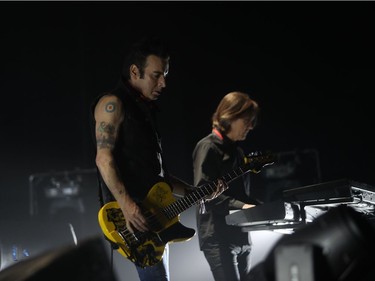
x: 309, y: 64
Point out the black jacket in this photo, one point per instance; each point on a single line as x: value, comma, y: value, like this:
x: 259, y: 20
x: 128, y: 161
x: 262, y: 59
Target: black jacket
x: 213, y: 158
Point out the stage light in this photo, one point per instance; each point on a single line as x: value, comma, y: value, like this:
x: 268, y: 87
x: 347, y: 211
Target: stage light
x: 61, y: 189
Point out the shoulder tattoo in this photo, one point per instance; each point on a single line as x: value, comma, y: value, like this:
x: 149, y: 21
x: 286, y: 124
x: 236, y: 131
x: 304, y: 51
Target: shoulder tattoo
x: 110, y: 107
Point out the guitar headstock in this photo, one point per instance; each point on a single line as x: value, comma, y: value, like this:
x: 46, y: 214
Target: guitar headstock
x: 257, y: 160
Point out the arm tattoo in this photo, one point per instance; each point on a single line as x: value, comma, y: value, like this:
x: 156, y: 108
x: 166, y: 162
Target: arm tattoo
x: 110, y: 107
x: 106, y: 128
x: 106, y: 138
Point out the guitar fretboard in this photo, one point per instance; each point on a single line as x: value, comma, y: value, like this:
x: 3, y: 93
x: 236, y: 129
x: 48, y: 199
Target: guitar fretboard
x: 177, y: 207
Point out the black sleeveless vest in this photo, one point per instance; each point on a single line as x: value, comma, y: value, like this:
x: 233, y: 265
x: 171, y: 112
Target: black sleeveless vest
x: 138, y: 149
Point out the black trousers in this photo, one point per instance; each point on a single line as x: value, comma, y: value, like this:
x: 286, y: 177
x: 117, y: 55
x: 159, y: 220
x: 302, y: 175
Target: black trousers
x: 228, y: 262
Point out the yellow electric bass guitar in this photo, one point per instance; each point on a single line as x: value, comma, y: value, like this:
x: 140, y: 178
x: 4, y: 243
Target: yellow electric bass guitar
x: 162, y: 211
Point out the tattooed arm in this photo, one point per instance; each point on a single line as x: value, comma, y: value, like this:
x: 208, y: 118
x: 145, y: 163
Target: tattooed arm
x: 108, y: 117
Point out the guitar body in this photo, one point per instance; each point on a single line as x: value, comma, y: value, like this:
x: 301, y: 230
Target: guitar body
x: 145, y: 248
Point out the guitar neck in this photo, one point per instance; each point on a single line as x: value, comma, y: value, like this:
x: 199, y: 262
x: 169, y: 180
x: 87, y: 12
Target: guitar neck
x: 252, y: 163
x: 197, y: 195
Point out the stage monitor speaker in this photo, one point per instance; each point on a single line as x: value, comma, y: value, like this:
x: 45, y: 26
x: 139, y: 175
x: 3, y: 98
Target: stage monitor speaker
x: 337, y: 246
x: 89, y: 260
